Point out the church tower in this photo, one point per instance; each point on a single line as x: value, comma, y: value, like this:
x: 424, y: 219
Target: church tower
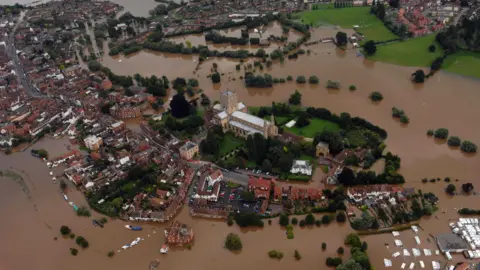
x: 228, y: 99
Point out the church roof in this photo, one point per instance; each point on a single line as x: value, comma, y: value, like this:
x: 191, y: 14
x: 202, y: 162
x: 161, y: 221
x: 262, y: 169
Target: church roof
x: 222, y: 115
x: 249, y: 118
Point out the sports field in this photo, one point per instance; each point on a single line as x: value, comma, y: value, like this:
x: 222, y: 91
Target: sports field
x: 463, y: 63
x: 370, y: 26
x: 413, y: 52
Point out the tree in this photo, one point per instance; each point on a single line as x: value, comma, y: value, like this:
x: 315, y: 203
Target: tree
x: 432, y: 48
x: 347, y: 177
x: 467, y: 187
x: 341, y: 217
x: 333, y: 262
x: 294, y: 221
x: 353, y: 240
x: 394, y: 3
x: 180, y: 106
x: 283, y: 220
x: 326, y: 219
x: 301, y: 79
x: 441, y: 133
x: 454, y: 141
x: 295, y: 98
x: 156, y: 36
x: 216, y: 77
x: 248, y: 196
x: 260, y: 53
x: 266, y: 166
x: 376, y: 96
x: 468, y: 147
x: 312, y: 79
x: 310, y: 219
x: 350, y: 265
x: 303, y: 120
x: 94, y: 65
x: 437, y: 64
x: 370, y: 47
x: 324, y: 246
x: 451, y: 189
x: 302, y: 223
x: 233, y: 242
x: 65, y: 230
x: 341, y: 38
x: 297, y: 255
x: 332, y: 138
x: 73, y: 251
x: 418, y: 76
x: 364, y: 246
x: 340, y: 250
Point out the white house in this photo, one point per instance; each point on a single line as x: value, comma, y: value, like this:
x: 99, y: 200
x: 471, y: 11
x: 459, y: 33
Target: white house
x: 301, y: 167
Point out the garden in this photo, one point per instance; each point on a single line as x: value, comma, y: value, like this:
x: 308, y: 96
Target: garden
x: 316, y: 125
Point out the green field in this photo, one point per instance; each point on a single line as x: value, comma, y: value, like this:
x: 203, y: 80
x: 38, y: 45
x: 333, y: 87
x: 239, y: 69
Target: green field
x: 316, y: 125
x: 229, y: 143
x: 463, y: 63
x: 413, y: 52
x: 370, y: 26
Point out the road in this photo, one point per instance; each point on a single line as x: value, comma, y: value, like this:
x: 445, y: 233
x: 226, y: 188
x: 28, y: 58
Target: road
x: 11, y: 50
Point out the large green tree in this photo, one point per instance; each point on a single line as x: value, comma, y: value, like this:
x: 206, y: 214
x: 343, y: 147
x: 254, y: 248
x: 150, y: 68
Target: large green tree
x: 180, y: 106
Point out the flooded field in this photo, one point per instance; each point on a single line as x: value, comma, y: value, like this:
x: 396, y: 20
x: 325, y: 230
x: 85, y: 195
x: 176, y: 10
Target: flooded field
x: 274, y: 28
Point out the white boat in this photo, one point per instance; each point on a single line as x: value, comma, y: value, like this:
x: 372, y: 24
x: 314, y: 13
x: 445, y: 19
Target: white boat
x: 398, y: 243
x: 395, y: 233
x: 65, y: 197
x: 417, y: 239
x: 396, y: 254
x: 387, y: 262
x: 412, y: 265
x: 406, y: 253
x: 51, y: 173
x: 414, y: 228
x: 403, y: 265
x: 164, y: 249
x: 125, y: 247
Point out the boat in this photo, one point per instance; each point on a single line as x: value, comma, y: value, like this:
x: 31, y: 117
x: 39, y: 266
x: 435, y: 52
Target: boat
x: 97, y: 223
x: 75, y: 208
x: 133, y: 228
x: 65, y: 197
x: 164, y: 249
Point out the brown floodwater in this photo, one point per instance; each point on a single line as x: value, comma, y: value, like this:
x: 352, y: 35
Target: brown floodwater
x: 274, y: 28
x: 445, y: 100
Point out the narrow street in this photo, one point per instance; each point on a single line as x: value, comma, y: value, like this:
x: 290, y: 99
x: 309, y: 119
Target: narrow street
x: 11, y: 50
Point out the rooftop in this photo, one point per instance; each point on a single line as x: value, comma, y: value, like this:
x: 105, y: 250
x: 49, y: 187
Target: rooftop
x: 249, y: 118
x: 450, y: 241
x: 244, y: 127
x: 187, y: 146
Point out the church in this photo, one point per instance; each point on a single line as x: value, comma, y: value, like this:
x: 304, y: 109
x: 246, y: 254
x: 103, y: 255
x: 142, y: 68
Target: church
x: 233, y: 116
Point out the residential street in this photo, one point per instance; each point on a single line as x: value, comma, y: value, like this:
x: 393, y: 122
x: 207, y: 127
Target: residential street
x: 11, y: 50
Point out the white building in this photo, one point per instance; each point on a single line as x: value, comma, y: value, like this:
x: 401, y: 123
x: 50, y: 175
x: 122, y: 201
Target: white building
x: 93, y: 142
x: 301, y: 167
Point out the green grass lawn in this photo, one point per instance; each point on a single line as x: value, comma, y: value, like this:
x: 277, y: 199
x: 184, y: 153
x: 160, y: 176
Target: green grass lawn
x: 370, y: 26
x: 463, y: 63
x: 316, y: 125
x: 229, y: 143
x: 413, y: 52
